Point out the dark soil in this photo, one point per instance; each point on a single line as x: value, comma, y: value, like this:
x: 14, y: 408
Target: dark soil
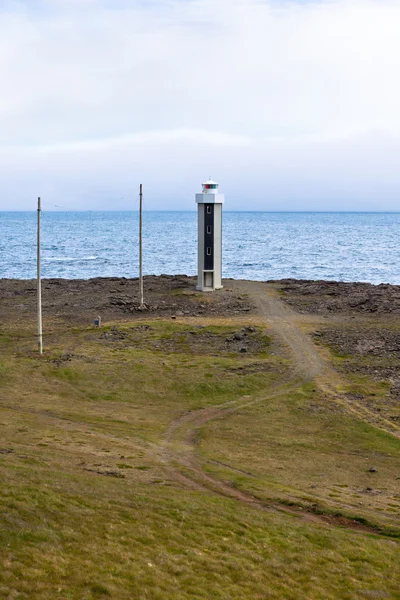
x: 371, y: 351
x: 363, y: 331
x: 329, y: 297
x: 82, y: 301
x: 366, y: 341
x: 196, y: 339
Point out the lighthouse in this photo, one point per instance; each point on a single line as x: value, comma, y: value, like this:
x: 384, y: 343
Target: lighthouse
x: 209, y: 214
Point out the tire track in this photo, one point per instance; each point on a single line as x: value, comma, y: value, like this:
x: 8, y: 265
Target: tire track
x: 308, y: 365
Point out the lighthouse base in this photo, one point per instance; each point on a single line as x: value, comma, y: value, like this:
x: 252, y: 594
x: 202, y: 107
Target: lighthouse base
x: 208, y: 282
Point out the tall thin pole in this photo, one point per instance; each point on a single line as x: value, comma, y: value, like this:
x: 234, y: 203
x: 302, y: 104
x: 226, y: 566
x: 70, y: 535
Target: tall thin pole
x: 141, y: 247
x: 39, y: 284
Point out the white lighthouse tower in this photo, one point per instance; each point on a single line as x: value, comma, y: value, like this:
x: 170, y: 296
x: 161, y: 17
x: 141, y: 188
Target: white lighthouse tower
x: 209, y: 210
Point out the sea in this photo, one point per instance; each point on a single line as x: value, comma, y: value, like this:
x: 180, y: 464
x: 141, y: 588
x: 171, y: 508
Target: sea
x: 340, y: 246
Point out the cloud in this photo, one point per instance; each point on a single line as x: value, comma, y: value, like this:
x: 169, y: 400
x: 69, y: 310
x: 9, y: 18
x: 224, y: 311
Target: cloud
x: 268, y: 96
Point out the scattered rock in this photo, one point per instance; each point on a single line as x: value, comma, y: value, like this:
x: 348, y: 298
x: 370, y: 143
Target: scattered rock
x: 61, y: 359
x: 107, y: 473
x: 77, y: 301
x: 319, y: 297
x: 238, y: 336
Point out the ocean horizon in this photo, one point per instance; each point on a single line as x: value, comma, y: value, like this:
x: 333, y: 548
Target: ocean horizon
x: 88, y: 210
x: 259, y: 245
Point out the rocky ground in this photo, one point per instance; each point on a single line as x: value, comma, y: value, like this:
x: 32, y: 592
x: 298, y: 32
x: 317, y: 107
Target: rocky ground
x: 329, y: 297
x: 361, y: 326
x: 169, y: 295
x: 352, y: 327
x: 360, y: 320
x: 368, y: 352
x: 81, y: 301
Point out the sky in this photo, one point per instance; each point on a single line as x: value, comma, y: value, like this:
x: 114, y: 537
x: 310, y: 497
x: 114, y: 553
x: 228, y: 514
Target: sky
x: 289, y: 105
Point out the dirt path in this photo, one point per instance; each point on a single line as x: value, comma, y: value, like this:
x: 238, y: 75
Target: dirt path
x: 185, y: 467
x: 308, y: 365
x: 284, y: 323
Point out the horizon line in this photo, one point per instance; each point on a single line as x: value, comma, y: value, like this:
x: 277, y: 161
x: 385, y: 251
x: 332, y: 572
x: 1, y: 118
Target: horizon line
x: 99, y: 210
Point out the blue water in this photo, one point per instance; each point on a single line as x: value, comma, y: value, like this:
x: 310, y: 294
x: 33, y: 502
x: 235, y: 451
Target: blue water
x: 257, y: 245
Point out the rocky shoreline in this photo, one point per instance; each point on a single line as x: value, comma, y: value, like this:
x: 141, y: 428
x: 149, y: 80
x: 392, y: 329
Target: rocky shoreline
x: 321, y: 297
x: 78, y: 300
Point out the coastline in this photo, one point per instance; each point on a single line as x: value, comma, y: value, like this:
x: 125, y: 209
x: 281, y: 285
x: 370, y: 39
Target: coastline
x: 80, y: 300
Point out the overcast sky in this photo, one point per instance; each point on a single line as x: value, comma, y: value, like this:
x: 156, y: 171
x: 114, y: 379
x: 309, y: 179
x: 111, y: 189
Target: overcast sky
x: 290, y: 105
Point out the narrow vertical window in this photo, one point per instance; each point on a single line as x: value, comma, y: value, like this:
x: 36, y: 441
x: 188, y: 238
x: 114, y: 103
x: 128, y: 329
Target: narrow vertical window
x: 208, y: 228
x: 208, y: 251
x: 209, y: 210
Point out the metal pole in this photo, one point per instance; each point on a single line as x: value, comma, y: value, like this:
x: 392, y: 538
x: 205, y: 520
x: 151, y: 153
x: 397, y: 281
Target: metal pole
x: 141, y: 247
x: 39, y: 284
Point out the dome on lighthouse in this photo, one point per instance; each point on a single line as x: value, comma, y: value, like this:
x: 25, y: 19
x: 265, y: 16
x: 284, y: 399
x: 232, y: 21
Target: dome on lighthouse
x: 210, y: 186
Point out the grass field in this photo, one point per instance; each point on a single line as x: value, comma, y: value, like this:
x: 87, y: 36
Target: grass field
x: 97, y: 500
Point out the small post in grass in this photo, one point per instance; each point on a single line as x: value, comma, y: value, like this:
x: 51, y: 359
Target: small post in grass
x: 39, y: 284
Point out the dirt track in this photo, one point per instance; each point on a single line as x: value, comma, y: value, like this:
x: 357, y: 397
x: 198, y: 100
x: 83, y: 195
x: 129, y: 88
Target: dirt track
x: 174, y: 296
x: 307, y: 362
x: 308, y: 365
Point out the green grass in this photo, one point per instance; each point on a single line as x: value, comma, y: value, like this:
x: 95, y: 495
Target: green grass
x: 82, y: 534
x: 300, y: 448
x: 91, y: 507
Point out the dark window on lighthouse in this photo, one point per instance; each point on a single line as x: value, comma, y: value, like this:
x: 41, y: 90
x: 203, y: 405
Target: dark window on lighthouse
x: 208, y: 237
